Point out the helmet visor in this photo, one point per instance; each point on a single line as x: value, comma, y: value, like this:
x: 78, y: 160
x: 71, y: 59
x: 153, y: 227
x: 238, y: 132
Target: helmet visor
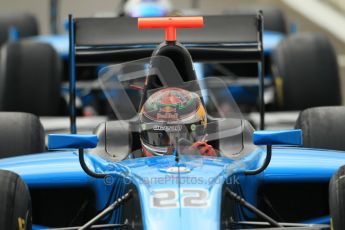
x: 164, y: 135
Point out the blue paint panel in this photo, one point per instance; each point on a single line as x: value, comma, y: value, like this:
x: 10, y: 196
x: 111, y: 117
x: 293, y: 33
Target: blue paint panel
x: 320, y: 220
x: 54, y: 169
x: 13, y: 34
x: 62, y: 169
x: 205, y: 173
x: 37, y: 227
x: 271, y: 40
x: 290, y: 164
x: 278, y: 137
x: 71, y: 141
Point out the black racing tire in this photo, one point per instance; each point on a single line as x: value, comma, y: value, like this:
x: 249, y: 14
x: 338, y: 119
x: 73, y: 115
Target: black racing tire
x: 30, y: 78
x: 26, y: 24
x: 337, y: 199
x: 15, y: 208
x: 323, y: 127
x: 21, y: 133
x: 305, y: 71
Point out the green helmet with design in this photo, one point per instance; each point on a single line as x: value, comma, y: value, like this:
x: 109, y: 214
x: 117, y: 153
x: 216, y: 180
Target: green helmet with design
x: 168, y: 115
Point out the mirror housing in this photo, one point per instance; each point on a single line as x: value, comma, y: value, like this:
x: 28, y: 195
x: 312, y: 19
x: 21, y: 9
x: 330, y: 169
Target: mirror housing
x: 71, y: 141
x: 274, y: 137
x: 115, y: 140
x: 76, y: 141
x: 278, y: 137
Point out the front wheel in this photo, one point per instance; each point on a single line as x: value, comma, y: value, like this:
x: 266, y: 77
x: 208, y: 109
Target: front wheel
x: 15, y: 208
x: 337, y: 199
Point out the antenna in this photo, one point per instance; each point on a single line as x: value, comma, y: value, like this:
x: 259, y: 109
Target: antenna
x: 72, y: 109
x: 261, y: 69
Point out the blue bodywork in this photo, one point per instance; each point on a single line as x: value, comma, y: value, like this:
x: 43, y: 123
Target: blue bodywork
x: 62, y: 169
x: 271, y: 40
x: 278, y: 137
x: 195, y: 184
x: 71, y: 141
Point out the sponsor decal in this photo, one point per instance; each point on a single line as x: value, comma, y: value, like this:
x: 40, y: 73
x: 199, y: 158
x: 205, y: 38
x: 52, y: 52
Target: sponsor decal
x: 167, y: 128
x: 167, y: 109
x: 191, y: 198
x: 167, y: 116
x: 193, y: 127
x: 21, y: 223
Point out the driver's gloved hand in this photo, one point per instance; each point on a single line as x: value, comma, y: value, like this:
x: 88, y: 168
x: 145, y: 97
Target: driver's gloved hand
x: 204, y: 148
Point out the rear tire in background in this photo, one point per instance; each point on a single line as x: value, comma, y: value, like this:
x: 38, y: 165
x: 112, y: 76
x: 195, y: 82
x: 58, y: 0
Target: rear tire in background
x: 337, y: 199
x: 305, y: 71
x: 274, y: 20
x: 323, y: 127
x: 30, y: 78
x: 15, y: 208
x: 20, y: 134
x: 25, y: 24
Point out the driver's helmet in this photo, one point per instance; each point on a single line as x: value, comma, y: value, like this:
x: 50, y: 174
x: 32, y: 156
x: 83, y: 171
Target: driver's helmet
x: 169, y: 116
x: 147, y: 8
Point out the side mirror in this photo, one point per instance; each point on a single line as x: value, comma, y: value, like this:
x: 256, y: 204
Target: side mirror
x: 75, y: 141
x: 71, y: 141
x: 278, y: 137
x: 274, y: 137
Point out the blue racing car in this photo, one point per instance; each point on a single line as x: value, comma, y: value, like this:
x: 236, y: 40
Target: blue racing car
x: 291, y: 63
x: 180, y: 154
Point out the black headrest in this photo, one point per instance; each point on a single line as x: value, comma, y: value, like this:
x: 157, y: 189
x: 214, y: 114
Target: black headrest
x: 25, y: 24
x: 180, y: 57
